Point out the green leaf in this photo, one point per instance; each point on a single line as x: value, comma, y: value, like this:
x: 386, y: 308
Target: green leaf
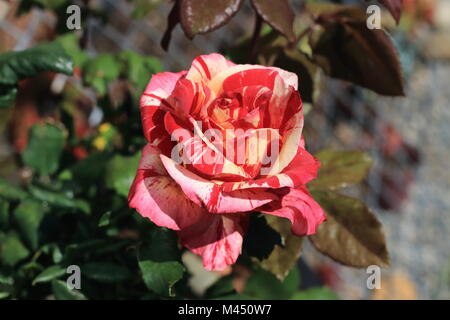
x: 87, y: 171
x: 139, y: 69
x: 62, y: 292
x: 254, y: 244
x: 59, y: 199
x: 46, y: 143
x: 53, y: 250
x: 159, y: 262
x: 352, y: 235
x: 70, y: 43
x: 10, y: 191
x: 86, y: 245
x: 57, y: 254
x: 6, y: 280
x: 319, y: 293
x: 112, y: 247
x: 105, y: 272
x: 4, y: 214
x: 99, y: 72
x: 105, y: 219
x: 222, y: 287
x: 340, y: 169
x: 346, y: 49
x: 120, y: 172
x: 4, y: 295
x: 283, y: 257
x: 12, y: 250
x: 161, y: 276
x: 50, y: 274
x: 7, y: 96
x: 263, y: 285
x: 277, y: 13
x: 203, y: 16
x: 15, y: 66
x: 28, y: 216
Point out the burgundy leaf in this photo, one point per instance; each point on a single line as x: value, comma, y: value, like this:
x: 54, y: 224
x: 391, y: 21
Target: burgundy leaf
x: 340, y: 169
x: 352, y: 234
x: 277, y: 13
x: 395, y: 7
x: 203, y: 16
x: 348, y: 50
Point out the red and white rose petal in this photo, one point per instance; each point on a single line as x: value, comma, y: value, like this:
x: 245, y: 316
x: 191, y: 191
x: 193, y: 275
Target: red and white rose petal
x: 209, y: 194
x: 297, y: 205
x: 216, y: 238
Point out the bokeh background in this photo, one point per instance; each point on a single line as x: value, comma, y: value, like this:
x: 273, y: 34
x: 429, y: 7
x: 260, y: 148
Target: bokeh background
x: 408, y: 138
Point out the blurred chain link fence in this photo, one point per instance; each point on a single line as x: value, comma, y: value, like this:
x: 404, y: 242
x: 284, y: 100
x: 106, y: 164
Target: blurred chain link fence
x: 408, y: 138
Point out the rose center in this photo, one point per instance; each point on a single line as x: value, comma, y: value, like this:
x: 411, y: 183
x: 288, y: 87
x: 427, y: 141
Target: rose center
x: 227, y: 107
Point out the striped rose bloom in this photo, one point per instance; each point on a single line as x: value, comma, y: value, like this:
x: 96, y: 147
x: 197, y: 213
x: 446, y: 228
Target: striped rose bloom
x: 224, y: 140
